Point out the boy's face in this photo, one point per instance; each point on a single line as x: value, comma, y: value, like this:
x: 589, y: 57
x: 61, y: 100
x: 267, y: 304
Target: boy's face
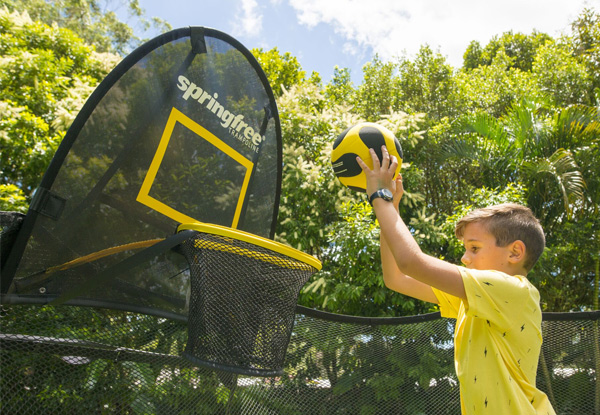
x: 481, y: 251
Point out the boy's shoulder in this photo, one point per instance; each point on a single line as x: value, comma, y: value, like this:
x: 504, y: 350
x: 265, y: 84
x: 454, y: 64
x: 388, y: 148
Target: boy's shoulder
x: 490, y: 292
x: 489, y: 275
x: 500, y: 292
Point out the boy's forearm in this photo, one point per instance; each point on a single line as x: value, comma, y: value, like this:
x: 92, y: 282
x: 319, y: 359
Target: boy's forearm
x: 395, y: 280
x: 410, y: 259
x: 404, y: 248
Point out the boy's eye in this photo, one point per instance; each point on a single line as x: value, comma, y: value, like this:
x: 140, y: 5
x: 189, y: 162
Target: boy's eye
x: 474, y: 249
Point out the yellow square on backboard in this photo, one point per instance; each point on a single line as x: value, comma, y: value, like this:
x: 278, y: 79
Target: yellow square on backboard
x: 177, y: 116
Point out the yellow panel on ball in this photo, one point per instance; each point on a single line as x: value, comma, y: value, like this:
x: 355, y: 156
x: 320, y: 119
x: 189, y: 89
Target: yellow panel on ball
x: 356, y: 141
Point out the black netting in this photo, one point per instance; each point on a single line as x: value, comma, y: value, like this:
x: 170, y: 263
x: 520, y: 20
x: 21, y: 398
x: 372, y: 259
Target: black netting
x: 242, y: 303
x: 10, y: 223
x: 72, y: 360
x: 184, y: 129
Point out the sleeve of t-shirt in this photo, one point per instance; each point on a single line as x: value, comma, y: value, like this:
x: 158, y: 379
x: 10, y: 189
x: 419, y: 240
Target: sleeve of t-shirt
x: 449, y: 304
x: 495, y: 296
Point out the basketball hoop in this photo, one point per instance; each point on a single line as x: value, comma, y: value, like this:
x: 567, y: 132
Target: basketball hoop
x: 244, y: 290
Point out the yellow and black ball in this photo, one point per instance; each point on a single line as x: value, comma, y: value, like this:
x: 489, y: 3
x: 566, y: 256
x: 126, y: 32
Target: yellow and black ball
x: 356, y: 141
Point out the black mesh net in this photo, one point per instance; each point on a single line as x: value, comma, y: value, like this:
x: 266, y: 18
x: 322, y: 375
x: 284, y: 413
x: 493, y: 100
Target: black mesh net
x: 184, y: 129
x: 10, y: 223
x: 67, y: 360
x: 242, y: 303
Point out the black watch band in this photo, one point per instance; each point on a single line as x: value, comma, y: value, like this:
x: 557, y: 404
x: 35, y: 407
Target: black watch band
x: 385, y: 194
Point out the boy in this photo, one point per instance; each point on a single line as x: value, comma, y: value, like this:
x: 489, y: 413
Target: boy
x: 498, y: 329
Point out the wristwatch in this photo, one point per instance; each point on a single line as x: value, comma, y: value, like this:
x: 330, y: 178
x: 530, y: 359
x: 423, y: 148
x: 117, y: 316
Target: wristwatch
x: 385, y: 194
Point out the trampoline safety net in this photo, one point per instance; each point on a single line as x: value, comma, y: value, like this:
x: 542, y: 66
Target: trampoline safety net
x: 74, y: 360
x: 242, y: 304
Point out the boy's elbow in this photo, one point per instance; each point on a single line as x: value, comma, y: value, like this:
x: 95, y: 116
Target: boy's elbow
x: 388, y: 279
x: 412, y: 264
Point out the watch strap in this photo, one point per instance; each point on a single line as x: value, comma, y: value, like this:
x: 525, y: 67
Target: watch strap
x: 377, y: 194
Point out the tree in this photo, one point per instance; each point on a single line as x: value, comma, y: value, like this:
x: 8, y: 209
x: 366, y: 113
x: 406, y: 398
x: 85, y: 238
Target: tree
x: 520, y: 48
x: 283, y: 70
x: 340, y: 90
x: 493, y: 88
x: 586, y: 48
x: 558, y: 72
x: 46, y: 75
x: 473, y: 56
x: 539, y: 148
x: 426, y: 84
x: 97, y: 24
x: 376, y: 95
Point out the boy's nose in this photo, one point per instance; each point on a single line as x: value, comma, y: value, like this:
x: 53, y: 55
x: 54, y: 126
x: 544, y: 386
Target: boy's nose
x: 465, y: 259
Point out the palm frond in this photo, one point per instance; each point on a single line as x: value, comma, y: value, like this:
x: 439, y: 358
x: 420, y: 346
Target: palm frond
x: 576, y: 125
x: 484, y: 125
x: 561, y: 170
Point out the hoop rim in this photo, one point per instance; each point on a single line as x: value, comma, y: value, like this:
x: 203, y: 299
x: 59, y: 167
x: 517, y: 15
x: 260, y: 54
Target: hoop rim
x: 252, y: 239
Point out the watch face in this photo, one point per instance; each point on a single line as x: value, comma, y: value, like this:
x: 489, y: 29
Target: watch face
x: 387, y: 194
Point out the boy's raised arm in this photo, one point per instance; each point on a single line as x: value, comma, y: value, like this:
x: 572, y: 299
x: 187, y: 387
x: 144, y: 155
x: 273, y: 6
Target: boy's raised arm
x: 403, y: 247
x: 395, y: 280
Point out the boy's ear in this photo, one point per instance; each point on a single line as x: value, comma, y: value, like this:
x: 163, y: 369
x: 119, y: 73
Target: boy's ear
x: 516, y: 251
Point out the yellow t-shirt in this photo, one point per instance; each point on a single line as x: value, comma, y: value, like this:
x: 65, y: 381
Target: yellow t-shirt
x: 497, y: 343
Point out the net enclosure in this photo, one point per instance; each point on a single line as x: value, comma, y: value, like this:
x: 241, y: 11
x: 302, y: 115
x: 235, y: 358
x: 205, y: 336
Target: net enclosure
x: 71, y: 360
x: 184, y: 129
x: 110, y: 306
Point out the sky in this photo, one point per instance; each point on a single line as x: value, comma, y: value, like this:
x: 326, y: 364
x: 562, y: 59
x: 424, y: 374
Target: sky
x: 323, y: 34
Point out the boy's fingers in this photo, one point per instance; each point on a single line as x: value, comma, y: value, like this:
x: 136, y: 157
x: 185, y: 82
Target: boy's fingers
x: 391, y: 160
x: 362, y: 164
x: 376, y: 162
x: 359, y: 161
x: 399, y: 184
x: 386, y: 157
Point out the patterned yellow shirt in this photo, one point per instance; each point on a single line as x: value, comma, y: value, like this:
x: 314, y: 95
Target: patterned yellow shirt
x: 497, y: 343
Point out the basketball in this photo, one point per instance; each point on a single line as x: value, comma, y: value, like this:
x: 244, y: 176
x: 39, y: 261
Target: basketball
x: 356, y: 141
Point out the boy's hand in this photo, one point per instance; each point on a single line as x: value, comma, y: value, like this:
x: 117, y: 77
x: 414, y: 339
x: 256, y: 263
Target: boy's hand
x: 398, y: 190
x: 382, y: 175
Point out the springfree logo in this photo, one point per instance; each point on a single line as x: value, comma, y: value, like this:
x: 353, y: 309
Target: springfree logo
x: 233, y: 122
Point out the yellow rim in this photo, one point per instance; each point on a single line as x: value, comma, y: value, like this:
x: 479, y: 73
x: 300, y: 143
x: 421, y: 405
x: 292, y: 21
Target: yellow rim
x: 285, y: 262
x: 253, y: 239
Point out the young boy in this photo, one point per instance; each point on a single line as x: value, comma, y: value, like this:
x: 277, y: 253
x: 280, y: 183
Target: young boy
x: 498, y: 329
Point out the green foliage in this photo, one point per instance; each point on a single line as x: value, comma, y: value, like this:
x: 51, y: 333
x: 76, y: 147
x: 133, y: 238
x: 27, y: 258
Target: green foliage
x: 520, y: 48
x: 473, y: 56
x: 93, y: 21
x: 586, y: 47
x: 376, y: 95
x: 12, y: 199
x: 46, y: 73
x: 283, y: 70
x: 561, y: 75
x: 426, y: 84
x: 492, y: 88
x: 340, y: 90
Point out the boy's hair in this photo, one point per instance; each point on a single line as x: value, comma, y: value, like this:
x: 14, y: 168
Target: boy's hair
x: 509, y: 222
